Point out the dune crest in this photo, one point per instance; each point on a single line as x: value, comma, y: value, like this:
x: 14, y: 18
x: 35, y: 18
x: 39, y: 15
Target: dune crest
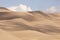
x: 31, y: 25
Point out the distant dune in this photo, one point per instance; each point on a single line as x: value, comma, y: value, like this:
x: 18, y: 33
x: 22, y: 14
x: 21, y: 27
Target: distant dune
x: 31, y: 25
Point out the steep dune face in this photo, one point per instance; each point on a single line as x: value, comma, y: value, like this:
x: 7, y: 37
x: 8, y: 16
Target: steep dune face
x: 21, y: 24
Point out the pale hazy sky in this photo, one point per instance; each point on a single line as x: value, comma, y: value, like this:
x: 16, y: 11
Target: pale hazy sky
x: 33, y: 4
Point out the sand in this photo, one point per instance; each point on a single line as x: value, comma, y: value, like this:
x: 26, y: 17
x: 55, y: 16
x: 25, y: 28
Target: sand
x: 34, y: 25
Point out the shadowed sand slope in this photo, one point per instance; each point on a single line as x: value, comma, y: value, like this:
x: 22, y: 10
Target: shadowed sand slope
x: 34, y: 25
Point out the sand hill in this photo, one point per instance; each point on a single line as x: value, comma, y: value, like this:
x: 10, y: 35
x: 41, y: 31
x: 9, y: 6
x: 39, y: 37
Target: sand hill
x: 34, y: 25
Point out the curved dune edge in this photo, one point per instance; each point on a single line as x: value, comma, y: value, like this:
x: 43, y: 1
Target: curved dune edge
x: 32, y: 35
x: 34, y: 25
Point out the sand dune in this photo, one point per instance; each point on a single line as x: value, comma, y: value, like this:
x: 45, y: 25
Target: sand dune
x: 34, y: 25
x: 6, y: 36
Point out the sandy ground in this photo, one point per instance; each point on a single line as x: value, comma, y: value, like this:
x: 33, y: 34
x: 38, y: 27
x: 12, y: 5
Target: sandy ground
x: 34, y: 25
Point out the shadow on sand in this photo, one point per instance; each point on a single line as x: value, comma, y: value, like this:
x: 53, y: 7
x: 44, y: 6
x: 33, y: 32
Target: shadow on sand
x: 21, y: 26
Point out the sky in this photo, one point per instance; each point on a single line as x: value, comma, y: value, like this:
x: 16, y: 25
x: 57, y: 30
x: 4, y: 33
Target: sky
x: 29, y: 5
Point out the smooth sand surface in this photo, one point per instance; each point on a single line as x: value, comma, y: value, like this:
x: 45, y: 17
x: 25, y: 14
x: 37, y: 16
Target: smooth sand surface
x: 7, y: 36
x: 34, y: 25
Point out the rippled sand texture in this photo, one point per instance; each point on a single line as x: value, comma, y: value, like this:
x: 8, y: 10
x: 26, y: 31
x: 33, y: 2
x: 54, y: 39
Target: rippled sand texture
x: 34, y: 25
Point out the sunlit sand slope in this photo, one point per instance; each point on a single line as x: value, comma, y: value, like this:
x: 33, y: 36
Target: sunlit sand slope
x: 33, y: 25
